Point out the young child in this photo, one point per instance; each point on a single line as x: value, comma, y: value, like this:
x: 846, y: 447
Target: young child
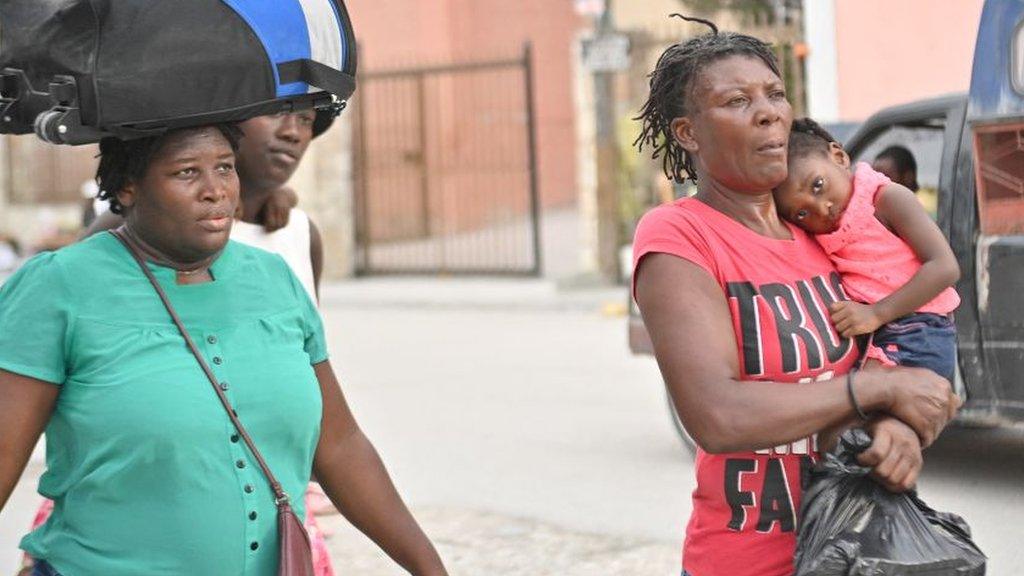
x: 896, y: 265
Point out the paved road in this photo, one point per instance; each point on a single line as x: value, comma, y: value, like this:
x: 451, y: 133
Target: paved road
x: 529, y: 441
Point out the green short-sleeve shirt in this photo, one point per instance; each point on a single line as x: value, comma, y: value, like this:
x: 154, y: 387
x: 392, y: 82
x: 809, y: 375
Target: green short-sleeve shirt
x: 146, y: 471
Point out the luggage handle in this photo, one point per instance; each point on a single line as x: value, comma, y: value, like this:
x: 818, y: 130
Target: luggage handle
x: 317, y: 75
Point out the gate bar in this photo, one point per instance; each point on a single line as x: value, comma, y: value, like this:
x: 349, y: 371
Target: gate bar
x: 444, y: 68
x: 361, y: 222
x: 531, y: 146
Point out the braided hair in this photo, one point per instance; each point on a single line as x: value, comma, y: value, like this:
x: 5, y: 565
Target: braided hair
x: 807, y: 137
x: 671, y: 83
x: 126, y: 161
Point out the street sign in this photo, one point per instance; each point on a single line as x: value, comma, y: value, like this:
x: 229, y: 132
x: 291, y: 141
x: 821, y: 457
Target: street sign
x: 608, y: 53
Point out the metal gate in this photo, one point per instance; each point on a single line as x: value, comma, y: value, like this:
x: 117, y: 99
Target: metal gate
x: 446, y: 170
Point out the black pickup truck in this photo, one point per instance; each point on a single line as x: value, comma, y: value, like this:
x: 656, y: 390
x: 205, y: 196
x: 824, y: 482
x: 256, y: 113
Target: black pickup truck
x: 970, y: 153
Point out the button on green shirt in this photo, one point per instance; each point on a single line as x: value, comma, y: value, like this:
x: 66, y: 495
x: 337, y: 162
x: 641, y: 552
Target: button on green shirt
x: 145, y: 469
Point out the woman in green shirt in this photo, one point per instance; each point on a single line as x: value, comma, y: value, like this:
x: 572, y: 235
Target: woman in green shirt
x: 146, y: 471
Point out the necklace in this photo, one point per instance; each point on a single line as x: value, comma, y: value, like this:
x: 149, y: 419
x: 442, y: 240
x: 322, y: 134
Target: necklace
x: 189, y: 272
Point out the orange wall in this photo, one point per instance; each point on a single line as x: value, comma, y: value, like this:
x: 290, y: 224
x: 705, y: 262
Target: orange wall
x: 400, y: 33
x: 890, y: 52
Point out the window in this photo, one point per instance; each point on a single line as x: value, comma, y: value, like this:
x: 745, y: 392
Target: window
x: 999, y: 170
x: 924, y: 141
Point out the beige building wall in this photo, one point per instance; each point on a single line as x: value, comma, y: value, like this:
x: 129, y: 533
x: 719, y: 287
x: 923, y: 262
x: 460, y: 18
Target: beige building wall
x: 404, y: 33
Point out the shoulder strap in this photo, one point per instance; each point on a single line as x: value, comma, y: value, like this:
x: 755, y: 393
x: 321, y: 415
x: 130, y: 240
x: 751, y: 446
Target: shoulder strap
x: 317, y: 75
x: 280, y: 497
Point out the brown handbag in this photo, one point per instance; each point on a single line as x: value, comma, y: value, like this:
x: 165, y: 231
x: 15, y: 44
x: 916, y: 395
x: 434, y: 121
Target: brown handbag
x: 296, y: 557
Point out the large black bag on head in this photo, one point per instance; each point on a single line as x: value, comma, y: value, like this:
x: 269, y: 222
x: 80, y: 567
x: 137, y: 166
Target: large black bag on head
x: 74, y: 71
x: 852, y: 526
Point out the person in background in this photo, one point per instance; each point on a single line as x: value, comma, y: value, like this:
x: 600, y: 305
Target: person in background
x: 898, y: 164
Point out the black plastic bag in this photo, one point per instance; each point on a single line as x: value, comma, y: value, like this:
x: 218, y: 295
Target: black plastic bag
x: 852, y: 526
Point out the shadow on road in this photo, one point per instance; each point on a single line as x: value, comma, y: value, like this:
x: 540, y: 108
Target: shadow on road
x: 995, y: 456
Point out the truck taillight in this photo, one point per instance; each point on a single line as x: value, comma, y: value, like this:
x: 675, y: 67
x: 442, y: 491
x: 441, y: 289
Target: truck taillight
x: 999, y: 171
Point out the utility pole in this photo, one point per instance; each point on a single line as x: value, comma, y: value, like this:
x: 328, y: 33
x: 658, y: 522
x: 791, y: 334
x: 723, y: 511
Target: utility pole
x: 608, y: 214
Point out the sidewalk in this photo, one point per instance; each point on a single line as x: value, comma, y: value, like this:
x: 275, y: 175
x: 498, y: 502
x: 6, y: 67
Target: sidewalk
x: 477, y: 543
x: 470, y: 542
x: 17, y: 517
x: 424, y: 292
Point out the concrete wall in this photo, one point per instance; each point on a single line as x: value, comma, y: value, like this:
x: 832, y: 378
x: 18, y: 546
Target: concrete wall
x: 889, y: 52
x: 404, y: 33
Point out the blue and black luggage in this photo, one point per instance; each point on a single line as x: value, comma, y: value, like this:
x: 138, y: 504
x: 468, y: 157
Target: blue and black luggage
x: 74, y: 71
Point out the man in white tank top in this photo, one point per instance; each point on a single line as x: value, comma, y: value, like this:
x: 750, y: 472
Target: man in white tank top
x: 267, y: 157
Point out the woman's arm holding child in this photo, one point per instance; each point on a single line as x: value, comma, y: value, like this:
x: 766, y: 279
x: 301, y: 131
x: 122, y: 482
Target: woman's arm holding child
x: 900, y: 211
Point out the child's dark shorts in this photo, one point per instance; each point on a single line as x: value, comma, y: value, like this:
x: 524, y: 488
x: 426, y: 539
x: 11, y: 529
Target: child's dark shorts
x: 918, y: 340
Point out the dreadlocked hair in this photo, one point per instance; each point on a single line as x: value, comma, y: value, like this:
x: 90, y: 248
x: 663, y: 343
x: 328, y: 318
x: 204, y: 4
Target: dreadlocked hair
x: 807, y: 137
x: 126, y: 161
x: 671, y: 83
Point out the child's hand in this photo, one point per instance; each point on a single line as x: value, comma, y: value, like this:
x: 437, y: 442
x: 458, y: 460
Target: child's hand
x: 275, y: 212
x: 853, y: 318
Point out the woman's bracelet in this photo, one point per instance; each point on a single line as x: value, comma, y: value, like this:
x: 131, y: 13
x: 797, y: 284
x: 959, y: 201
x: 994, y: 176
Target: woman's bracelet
x: 853, y: 397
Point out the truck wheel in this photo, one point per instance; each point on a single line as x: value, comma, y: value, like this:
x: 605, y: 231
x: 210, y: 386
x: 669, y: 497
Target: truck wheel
x: 688, y: 443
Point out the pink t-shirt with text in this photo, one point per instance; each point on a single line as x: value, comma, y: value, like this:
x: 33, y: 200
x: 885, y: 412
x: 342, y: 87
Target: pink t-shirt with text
x: 746, y: 505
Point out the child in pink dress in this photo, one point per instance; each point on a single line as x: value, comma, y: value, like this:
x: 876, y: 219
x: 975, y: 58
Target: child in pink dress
x: 896, y: 266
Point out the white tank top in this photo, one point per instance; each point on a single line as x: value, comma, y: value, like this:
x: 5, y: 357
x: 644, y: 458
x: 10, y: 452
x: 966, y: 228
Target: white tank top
x: 291, y: 242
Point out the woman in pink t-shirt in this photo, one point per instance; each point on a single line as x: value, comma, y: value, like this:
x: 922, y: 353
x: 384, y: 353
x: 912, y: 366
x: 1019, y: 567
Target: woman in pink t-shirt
x: 896, y: 265
x: 736, y: 301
